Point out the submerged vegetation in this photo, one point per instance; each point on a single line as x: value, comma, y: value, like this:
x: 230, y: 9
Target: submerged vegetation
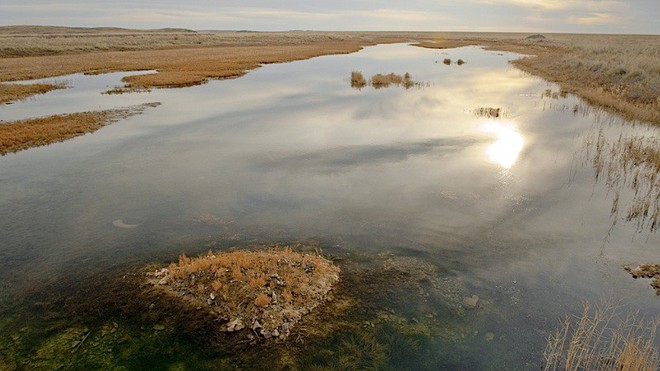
x: 16, y: 136
x: 629, y: 162
x: 597, y: 340
x: 265, y: 291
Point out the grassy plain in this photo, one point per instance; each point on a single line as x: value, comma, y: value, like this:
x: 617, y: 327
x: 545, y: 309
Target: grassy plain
x: 620, y: 73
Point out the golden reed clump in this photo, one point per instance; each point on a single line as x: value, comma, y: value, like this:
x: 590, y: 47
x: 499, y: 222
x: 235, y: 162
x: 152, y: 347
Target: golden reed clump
x: 268, y: 291
x: 19, y: 135
x: 598, y: 341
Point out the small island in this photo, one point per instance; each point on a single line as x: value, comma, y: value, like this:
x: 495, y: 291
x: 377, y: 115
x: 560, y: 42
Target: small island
x: 266, y: 291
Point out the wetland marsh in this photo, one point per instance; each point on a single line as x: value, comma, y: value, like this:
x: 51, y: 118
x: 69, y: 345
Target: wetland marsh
x: 468, y: 216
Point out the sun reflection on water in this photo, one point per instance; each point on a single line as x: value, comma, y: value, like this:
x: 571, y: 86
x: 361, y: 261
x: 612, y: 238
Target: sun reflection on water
x: 506, y: 149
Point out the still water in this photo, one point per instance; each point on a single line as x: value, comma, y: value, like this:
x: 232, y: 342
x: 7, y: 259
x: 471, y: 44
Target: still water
x: 400, y: 180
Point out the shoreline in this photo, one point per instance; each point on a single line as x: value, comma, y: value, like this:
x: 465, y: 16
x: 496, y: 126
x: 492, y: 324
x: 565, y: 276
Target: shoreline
x: 575, y: 62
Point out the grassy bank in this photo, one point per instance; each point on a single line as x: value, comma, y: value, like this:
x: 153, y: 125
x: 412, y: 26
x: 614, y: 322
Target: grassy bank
x: 20, y: 135
x: 619, y: 73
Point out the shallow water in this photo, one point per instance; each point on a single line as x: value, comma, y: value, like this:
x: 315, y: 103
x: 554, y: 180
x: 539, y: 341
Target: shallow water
x: 504, y: 208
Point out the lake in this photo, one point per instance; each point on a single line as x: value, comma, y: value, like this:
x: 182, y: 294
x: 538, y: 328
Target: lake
x: 421, y: 197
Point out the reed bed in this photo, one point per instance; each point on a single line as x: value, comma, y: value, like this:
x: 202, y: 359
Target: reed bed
x: 598, y: 340
x: 20, y: 135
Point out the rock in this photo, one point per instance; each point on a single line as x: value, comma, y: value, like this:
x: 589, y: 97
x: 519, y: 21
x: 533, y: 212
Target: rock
x: 490, y: 336
x: 212, y: 296
x: 159, y: 327
x: 276, y: 333
x: 164, y: 280
x: 535, y: 37
x: 235, y: 325
x: 471, y: 302
x: 256, y: 325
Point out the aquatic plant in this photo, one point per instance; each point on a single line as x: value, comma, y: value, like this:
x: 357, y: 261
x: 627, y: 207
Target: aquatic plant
x: 447, y: 61
x: 596, y: 340
x: 379, y: 81
x: 460, y: 62
x: 488, y: 112
x: 268, y: 291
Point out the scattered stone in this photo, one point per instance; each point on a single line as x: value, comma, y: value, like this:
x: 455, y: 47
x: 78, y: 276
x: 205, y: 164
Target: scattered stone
x: 490, y: 336
x: 471, y: 302
x: 646, y: 271
x: 270, y: 287
x: 120, y: 224
x: 235, y: 325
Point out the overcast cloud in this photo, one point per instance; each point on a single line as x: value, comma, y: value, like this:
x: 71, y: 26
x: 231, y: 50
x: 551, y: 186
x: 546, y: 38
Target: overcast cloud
x: 606, y: 16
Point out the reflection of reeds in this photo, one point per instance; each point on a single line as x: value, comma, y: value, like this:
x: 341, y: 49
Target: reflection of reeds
x: 594, y: 342
x: 629, y: 162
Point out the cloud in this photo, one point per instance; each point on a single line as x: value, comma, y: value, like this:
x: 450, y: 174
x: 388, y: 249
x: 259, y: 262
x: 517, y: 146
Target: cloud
x: 556, y: 5
x: 601, y: 18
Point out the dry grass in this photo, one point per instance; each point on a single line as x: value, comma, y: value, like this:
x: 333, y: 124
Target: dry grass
x: 620, y: 73
x: 595, y: 342
x: 379, y: 81
x: 15, y: 92
x: 268, y: 291
x: 629, y: 162
x: 489, y: 112
x: 20, y: 135
x: 357, y: 80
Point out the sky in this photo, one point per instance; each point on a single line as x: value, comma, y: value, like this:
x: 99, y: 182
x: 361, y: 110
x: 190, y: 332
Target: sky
x: 583, y: 16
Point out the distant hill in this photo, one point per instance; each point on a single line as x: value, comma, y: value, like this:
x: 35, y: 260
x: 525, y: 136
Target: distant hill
x: 28, y: 29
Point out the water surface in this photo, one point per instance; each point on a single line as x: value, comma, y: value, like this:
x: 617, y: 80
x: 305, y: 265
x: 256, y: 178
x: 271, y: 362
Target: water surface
x: 505, y: 208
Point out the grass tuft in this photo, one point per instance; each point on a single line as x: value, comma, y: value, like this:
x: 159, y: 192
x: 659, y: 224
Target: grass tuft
x: 597, y: 341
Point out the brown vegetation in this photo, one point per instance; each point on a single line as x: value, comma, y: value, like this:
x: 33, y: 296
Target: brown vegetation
x: 647, y: 271
x: 616, y: 72
x: 447, y: 61
x: 14, y: 92
x: 488, y: 112
x: 592, y: 342
x: 358, y: 80
x: 268, y: 291
x: 379, y: 81
x: 20, y: 135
